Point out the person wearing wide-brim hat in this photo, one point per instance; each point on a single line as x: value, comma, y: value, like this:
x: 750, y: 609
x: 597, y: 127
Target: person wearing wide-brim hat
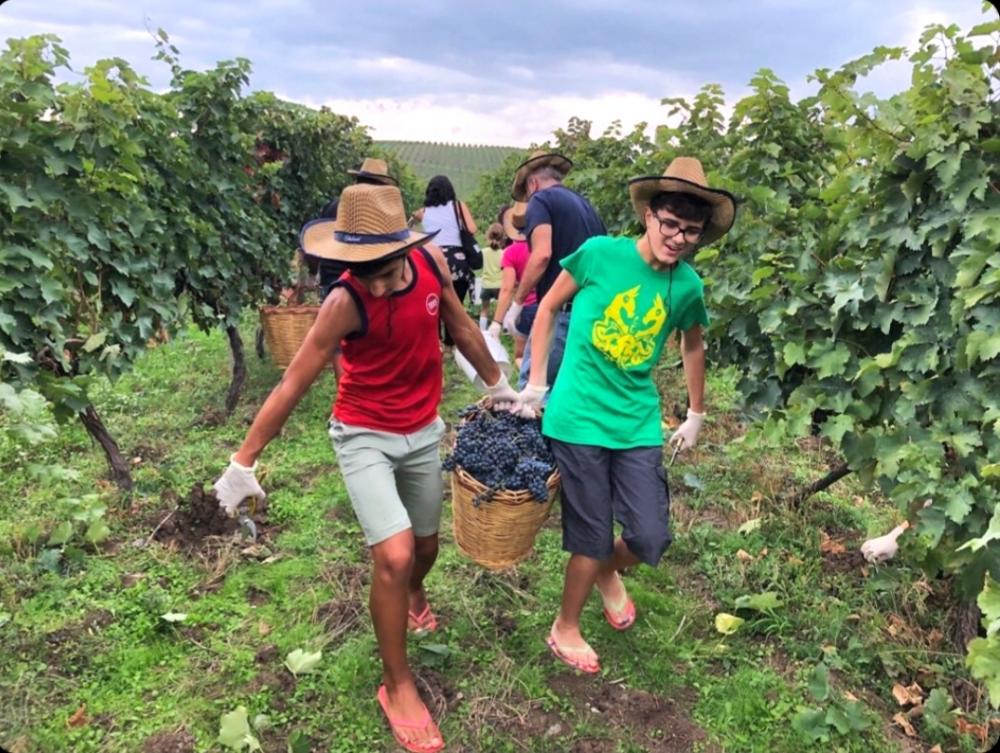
x: 373, y: 170
x: 557, y: 222
x: 539, y: 159
x: 384, y: 426
x: 603, y: 413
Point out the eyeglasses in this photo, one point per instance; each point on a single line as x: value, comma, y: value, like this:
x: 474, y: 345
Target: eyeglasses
x: 670, y: 227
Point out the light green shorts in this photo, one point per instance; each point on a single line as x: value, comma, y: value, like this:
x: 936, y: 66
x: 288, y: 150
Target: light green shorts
x: 394, y: 480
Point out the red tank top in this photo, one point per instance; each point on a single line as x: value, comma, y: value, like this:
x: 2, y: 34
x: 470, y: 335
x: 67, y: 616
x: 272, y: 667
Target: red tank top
x: 392, y: 365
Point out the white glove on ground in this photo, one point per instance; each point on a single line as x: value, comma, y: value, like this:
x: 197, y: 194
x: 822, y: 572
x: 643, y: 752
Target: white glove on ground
x: 494, y: 330
x: 532, y: 396
x: 510, y: 318
x: 687, y: 433
x: 884, y: 547
x: 235, y: 485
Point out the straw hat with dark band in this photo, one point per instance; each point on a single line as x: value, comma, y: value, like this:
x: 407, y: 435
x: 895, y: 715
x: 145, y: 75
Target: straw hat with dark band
x: 370, y: 226
x: 513, y: 221
x: 685, y: 175
x: 536, y: 160
x: 375, y: 170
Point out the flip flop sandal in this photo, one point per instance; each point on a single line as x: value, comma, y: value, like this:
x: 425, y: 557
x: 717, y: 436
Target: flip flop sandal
x: 564, y: 656
x: 624, y: 619
x: 394, y: 723
x: 425, y: 622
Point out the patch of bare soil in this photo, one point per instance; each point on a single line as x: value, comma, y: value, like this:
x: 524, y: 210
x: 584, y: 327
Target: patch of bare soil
x: 198, y: 519
x: 504, y: 623
x: 69, y: 649
x: 437, y: 693
x: 659, y: 724
x: 341, y: 616
x: 177, y: 741
x: 843, y: 562
x: 257, y: 596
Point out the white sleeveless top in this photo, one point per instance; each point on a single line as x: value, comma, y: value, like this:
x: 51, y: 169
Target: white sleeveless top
x: 442, y: 218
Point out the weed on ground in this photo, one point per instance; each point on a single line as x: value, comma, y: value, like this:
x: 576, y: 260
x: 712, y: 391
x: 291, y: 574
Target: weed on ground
x: 145, y: 641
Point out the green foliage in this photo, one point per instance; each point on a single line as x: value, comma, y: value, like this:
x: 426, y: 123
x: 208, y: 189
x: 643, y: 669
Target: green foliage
x: 843, y: 716
x: 122, y: 211
x: 859, y: 291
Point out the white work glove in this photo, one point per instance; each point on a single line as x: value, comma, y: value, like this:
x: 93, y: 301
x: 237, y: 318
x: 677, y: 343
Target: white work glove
x: 235, y: 485
x: 502, y: 395
x: 494, y: 330
x: 510, y: 318
x: 532, y: 396
x: 884, y: 547
x: 687, y: 433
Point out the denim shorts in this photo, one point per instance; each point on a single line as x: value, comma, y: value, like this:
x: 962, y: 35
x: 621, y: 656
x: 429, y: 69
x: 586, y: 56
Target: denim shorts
x: 601, y: 486
x: 526, y: 319
x: 394, y: 480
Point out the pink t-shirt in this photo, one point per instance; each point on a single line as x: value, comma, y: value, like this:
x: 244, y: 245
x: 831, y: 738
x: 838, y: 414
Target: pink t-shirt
x: 516, y: 256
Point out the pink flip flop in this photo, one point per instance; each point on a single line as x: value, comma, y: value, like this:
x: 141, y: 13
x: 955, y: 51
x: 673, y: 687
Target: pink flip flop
x: 564, y: 656
x: 394, y: 723
x: 425, y: 622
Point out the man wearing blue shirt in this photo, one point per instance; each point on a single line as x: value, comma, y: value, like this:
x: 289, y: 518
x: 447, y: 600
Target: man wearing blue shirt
x: 557, y: 222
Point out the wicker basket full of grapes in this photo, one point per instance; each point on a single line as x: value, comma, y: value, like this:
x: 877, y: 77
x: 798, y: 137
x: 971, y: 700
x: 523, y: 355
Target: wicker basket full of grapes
x: 503, y: 483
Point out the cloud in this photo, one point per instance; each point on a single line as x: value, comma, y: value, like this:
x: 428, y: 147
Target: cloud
x: 510, y: 73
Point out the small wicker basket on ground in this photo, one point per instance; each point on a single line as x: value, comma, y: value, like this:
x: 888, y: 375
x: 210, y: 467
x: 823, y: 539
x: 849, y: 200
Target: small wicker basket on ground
x: 285, y: 328
x: 501, y: 532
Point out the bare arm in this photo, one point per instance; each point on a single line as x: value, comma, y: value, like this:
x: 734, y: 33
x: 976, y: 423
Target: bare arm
x: 418, y: 215
x: 508, y: 281
x: 693, y: 355
x: 562, y: 290
x: 470, y: 224
x: 337, y: 318
x: 541, y: 251
x: 466, y: 334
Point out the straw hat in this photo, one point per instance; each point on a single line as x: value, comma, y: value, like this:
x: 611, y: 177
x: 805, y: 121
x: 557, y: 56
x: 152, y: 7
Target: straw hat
x: 685, y: 175
x: 376, y: 170
x: 513, y: 220
x: 537, y: 159
x: 370, y: 226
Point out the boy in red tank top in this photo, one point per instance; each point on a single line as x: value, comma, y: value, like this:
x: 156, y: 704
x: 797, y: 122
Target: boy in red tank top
x: 384, y: 313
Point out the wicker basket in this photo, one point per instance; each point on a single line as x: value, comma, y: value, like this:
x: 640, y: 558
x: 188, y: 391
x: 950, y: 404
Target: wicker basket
x: 501, y: 532
x: 285, y: 328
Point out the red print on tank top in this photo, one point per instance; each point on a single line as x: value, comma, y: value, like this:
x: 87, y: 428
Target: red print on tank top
x: 432, y: 304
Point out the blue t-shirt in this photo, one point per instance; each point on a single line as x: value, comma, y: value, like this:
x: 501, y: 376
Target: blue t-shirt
x: 573, y: 220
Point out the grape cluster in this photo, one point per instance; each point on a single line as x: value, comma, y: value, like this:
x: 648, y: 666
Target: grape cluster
x: 503, y: 452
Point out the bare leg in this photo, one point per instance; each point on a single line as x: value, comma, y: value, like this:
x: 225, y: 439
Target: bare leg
x: 608, y: 583
x: 426, y: 553
x: 388, y: 601
x: 581, y: 572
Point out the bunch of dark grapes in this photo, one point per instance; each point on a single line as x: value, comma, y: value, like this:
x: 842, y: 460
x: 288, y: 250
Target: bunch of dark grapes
x: 503, y: 452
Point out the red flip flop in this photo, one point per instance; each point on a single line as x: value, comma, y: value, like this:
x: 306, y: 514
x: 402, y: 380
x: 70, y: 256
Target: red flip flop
x: 624, y: 619
x: 425, y: 622
x: 394, y: 723
x: 564, y: 655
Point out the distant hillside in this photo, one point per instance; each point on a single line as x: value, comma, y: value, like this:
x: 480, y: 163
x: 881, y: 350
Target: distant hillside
x: 462, y: 163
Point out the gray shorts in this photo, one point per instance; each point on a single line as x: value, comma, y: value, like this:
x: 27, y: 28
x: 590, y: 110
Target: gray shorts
x: 600, y: 486
x: 394, y: 480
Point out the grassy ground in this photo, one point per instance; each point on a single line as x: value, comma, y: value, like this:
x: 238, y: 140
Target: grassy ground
x: 89, y: 663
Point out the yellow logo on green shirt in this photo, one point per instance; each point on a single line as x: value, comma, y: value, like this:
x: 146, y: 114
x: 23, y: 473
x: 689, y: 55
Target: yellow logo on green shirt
x: 624, y: 338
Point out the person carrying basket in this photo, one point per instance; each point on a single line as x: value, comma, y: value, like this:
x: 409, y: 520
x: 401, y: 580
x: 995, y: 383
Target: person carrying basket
x: 603, y: 413
x: 384, y: 311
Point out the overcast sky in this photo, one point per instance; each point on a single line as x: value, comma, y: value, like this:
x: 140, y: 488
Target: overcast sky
x: 504, y: 73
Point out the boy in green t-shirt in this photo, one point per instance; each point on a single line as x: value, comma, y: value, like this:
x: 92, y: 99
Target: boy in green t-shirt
x: 603, y: 413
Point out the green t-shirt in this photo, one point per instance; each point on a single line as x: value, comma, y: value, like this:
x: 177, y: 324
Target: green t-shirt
x: 491, y: 266
x: 622, y: 314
